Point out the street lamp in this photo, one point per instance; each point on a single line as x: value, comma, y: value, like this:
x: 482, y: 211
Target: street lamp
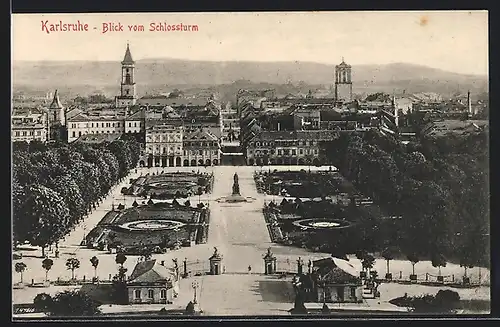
x: 195, y: 286
x: 84, y: 233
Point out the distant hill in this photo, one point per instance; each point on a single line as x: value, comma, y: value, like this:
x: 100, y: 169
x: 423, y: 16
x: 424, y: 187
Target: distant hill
x: 155, y: 75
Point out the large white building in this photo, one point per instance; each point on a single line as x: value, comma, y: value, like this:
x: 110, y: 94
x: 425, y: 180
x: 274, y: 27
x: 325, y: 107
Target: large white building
x: 96, y: 122
x: 164, y: 145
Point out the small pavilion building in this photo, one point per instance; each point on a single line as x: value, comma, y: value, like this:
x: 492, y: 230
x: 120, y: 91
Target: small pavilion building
x: 152, y: 282
x: 332, y: 280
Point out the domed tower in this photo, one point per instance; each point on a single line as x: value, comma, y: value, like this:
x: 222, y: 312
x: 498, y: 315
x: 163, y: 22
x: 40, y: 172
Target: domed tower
x: 127, y: 95
x: 343, y: 82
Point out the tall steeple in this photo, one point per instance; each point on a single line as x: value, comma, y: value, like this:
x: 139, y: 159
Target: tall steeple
x: 127, y: 59
x: 56, y: 103
x: 56, y: 111
x: 127, y: 95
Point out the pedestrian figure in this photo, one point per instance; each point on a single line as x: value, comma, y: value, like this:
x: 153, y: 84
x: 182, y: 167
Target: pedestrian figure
x: 224, y: 269
x: 249, y: 269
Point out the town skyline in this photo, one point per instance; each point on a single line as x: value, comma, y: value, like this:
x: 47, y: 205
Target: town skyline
x: 422, y: 38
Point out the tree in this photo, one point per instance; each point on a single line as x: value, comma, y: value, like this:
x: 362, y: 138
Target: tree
x: 367, y: 262
x: 19, y: 227
x: 47, y: 265
x: 120, y: 259
x: 66, y: 186
x: 95, y: 262
x: 91, y: 187
x: 23, y: 169
x: 414, y: 259
x: 72, y: 264
x: 388, y: 255
x: 73, y: 303
x: 146, y: 253
x: 43, y: 302
x: 20, y: 267
x: 112, y: 163
x: 45, y: 214
x: 438, y: 260
x: 121, y: 273
x: 122, y: 152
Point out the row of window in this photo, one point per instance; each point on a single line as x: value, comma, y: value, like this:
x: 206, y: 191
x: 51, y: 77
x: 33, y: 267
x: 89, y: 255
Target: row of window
x: 27, y: 133
x: 117, y: 124
x: 285, y: 152
x: 91, y: 132
x: 284, y: 143
x: 186, y: 152
x: 151, y: 294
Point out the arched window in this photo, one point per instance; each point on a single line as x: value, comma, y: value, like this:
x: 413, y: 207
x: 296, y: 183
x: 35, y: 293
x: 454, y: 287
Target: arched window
x: 137, y: 294
x: 151, y: 294
x: 163, y: 293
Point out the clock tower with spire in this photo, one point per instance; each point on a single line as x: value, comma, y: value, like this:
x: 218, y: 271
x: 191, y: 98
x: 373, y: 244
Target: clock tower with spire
x: 128, y: 96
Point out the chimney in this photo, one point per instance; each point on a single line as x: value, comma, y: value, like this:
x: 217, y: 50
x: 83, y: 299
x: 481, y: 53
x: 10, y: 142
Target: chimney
x: 469, y: 105
x: 396, y: 113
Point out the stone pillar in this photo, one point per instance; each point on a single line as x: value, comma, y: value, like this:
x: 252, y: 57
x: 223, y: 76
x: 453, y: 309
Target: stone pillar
x: 299, y: 266
x: 185, y: 266
x: 215, y: 263
x: 269, y: 263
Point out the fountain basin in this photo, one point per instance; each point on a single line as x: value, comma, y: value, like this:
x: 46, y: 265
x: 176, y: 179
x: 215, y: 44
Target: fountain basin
x: 152, y: 225
x: 321, y: 223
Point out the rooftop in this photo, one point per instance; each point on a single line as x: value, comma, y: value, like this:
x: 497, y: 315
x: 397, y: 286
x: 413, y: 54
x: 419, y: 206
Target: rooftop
x: 150, y: 271
x: 335, y: 271
x: 166, y: 101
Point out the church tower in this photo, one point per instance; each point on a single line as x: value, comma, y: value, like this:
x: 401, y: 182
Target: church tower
x: 127, y: 95
x: 56, y: 111
x: 343, y: 82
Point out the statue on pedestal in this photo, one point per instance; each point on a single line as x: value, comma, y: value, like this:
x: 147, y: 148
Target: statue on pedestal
x: 236, y: 186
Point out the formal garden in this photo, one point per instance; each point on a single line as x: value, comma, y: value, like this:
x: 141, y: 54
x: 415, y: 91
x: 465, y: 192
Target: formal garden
x: 302, y: 184
x: 170, y: 185
x: 392, y: 194
x: 156, y: 226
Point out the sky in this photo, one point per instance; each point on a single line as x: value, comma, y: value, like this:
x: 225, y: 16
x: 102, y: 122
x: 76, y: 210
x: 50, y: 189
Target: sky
x: 455, y: 41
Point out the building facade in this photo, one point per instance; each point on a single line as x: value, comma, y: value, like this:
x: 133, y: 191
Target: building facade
x: 201, y: 148
x: 152, y: 283
x: 287, y: 148
x: 128, y: 95
x: 29, y: 124
x: 135, y: 122
x: 164, y: 146
x: 305, y: 118
x: 96, y: 122
x: 343, y: 82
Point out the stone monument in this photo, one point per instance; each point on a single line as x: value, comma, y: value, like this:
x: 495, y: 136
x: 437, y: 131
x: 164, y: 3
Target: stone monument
x: 236, y: 185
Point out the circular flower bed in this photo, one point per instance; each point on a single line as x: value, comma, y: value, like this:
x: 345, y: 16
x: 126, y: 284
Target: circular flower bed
x: 319, y: 223
x: 169, y: 184
x: 152, y: 225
